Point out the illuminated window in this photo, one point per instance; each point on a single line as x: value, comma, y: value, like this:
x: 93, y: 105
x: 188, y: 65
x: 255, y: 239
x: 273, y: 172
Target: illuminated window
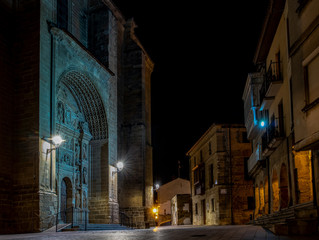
x: 303, y: 176
x: 62, y: 14
x: 275, y: 192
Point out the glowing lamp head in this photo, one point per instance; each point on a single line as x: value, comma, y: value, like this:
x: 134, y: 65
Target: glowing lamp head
x: 154, y: 210
x: 262, y: 123
x: 157, y: 186
x: 57, y: 140
x: 120, y: 166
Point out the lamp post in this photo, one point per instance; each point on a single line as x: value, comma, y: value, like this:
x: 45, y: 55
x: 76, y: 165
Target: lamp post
x: 119, y: 167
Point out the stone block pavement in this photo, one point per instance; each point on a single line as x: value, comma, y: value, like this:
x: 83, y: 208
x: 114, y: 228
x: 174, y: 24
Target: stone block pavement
x: 242, y: 232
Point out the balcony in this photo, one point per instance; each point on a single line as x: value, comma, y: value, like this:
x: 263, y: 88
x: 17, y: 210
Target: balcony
x: 271, y: 138
x: 271, y: 85
x: 255, y: 162
x: 199, y: 179
x: 251, y: 103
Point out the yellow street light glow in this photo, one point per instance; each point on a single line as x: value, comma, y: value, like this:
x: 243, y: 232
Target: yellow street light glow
x: 154, y: 210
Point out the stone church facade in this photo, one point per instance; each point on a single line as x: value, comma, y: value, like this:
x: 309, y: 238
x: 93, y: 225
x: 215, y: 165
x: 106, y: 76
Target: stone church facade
x: 73, y: 68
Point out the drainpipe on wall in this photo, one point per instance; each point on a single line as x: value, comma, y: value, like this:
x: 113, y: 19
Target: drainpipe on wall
x: 231, y: 176
x: 269, y: 190
x: 289, y: 173
x: 313, y: 178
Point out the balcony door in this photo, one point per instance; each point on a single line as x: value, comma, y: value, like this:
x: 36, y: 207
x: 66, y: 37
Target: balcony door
x: 203, y: 212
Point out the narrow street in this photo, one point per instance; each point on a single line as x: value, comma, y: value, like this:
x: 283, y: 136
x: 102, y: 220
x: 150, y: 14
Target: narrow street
x: 243, y: 232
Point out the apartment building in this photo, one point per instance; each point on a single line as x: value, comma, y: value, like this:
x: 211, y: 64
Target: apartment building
x: 221, y: 192
x: 280, y: 112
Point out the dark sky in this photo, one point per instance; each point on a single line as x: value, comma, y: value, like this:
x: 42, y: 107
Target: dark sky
x: 202, y: 51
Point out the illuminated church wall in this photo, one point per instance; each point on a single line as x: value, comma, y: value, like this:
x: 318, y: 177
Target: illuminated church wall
x: 70, y: 81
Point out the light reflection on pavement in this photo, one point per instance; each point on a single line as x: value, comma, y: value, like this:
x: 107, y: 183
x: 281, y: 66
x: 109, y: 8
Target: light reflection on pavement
x: 243, y: 232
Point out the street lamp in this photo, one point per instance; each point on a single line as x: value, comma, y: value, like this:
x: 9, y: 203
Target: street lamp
x: 262, y: 123
x: 56, y: 141
x: 119, y: 166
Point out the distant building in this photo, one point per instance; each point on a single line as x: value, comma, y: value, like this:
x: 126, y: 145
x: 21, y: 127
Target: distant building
x: 166, y: 192
x: 281, y: 116
x: 181, y: 212
x: 221, y: 192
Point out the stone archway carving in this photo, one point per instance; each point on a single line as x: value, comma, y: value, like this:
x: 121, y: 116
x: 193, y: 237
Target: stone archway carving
x: 88, y: 130
x: 89, y: 100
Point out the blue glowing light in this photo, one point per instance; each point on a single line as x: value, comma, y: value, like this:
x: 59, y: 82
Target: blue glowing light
x: 262, y: 123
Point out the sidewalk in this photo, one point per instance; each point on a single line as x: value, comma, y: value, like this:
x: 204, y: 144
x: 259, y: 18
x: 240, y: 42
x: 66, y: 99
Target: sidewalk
x: 244, y: 232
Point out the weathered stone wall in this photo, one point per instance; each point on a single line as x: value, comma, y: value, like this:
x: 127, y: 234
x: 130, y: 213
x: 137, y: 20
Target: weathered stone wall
x: 181, y: 209
x: 6, y: 116
x: 26, y: 118
x: 99, y: 32
x: 137, y: 179
x: 222, y: 150
x: 46, y: 58
x: 241, y: 187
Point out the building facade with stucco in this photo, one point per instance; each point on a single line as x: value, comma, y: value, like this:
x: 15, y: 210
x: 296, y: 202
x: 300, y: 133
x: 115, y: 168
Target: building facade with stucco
x: 281, y: 116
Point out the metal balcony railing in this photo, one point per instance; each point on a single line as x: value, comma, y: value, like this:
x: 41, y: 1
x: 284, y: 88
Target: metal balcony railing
x: 273, y: 132
x: 273, y: 75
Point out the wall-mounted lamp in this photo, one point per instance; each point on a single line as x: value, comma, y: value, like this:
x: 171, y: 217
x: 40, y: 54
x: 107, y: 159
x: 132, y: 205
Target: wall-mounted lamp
x: 56, y: 141
x: 119, y: 167
x: 262, y: 123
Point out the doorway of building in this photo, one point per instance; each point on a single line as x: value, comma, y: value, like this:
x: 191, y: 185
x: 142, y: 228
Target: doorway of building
x: 203, y: 212
x: 66, y: 200
x: 284, y: 197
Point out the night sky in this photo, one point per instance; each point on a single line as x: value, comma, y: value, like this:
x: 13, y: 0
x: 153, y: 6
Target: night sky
x: 203, y: 51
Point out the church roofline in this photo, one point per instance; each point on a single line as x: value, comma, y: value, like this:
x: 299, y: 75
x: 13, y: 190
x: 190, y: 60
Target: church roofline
x: 53, y: 29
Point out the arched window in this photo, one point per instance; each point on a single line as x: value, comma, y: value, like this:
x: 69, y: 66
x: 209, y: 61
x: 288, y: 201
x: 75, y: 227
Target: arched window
x: 62, y: 14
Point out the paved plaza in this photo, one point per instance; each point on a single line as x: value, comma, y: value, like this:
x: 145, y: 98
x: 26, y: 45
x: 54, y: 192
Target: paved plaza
x: 165, y: 233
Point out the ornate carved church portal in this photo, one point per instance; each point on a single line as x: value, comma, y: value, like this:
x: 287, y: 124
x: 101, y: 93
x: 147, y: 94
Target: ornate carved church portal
x: 81, y: 74
x: 81, y: 122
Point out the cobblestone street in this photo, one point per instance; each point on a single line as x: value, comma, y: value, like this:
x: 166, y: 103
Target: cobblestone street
x: 165, y: 233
